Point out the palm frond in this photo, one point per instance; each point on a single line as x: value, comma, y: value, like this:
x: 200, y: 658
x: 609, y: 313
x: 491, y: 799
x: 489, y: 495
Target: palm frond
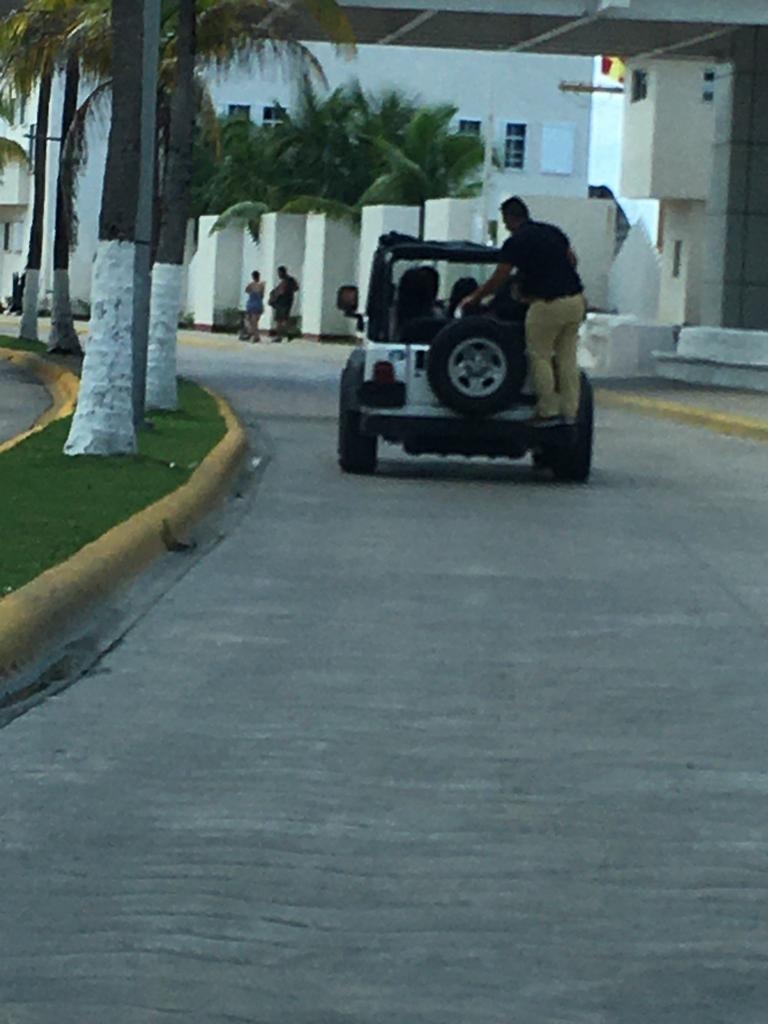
x: 11, y: 152
x: 74, y: 151
x: 247, y: 214
x: 318, y: 204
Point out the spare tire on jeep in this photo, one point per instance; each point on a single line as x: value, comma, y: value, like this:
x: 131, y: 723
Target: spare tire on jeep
x: 477, y: 366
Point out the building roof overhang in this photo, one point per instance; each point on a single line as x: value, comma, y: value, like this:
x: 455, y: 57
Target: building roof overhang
x: 682, y: 28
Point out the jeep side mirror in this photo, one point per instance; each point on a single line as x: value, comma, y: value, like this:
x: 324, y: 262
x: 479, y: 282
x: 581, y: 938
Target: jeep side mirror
x: 347, y: 299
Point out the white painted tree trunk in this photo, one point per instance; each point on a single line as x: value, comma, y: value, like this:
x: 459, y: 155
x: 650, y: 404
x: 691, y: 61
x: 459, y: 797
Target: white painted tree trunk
x: 163, y: 328
x: 63, y: 336
x: 103, y: 421
x: 31, y: 300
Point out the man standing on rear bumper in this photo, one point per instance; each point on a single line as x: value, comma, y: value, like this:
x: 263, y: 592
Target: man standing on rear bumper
x: 549, y: 283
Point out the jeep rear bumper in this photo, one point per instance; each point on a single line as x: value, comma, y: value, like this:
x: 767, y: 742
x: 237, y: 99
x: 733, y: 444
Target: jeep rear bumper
x: 463, y: 435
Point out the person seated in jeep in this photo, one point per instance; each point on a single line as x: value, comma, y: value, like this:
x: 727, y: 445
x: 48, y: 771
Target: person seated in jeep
x: 419, y: 314
x: 550, y: 284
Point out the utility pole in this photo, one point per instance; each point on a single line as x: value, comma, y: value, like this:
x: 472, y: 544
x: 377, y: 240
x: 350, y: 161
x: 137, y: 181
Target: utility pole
x: 143, y: 267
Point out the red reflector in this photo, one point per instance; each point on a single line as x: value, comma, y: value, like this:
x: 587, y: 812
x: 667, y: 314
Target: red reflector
x: 383, y: 372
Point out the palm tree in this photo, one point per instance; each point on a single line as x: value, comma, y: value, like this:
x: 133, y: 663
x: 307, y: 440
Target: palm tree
x: 63, y: 337
x: 103, y: 420
x: 167, y: 272
x: 27, y: 59
x: 219, y: 31
x: 351, y: 149
x: 431, y: 163
x: 35, y: 42
x: 10, y: 150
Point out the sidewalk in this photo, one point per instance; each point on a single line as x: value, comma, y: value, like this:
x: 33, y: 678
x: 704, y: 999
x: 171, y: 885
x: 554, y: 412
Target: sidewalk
x: 723, y: 410
x: 723, y: 400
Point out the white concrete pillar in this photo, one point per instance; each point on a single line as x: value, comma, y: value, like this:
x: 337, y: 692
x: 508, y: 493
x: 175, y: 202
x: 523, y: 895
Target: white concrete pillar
x: 281, y: 244
x: 591, y: 227
x: 735, y: 266
x: 330, y: 260
x: 453, y: 220
x: 378, y: 221
x: 214, y: 273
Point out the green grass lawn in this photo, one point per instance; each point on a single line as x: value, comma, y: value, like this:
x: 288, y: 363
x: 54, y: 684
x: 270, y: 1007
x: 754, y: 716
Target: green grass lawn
x: 52, y: 504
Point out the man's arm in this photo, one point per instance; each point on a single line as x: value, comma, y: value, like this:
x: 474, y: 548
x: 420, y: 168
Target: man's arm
x: 495, y: 281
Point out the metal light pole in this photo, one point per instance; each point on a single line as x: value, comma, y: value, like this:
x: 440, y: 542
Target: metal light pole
x: 142, y: 271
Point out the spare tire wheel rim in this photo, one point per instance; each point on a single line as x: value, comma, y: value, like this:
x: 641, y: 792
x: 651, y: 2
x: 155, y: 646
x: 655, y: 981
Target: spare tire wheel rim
x: 477, y: 367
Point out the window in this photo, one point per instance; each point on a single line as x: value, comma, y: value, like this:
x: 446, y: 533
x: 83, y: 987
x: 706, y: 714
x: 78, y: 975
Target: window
x: 514, y: 146
x: 469, y: 127
x: 242, y: 110
x: 13, y: 239
x: 270, y: 116
x: 708, y: 92
x: 639, y: 85
x: 677, y: 258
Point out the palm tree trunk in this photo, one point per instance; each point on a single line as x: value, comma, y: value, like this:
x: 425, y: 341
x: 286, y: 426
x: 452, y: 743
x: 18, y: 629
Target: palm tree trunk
x: 169, y: 266
x: 28, y: 328
x: 103, y: 421
x: 63, y: 336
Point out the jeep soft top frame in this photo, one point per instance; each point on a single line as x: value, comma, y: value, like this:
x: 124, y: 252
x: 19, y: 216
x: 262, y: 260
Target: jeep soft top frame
x: 395, y: 247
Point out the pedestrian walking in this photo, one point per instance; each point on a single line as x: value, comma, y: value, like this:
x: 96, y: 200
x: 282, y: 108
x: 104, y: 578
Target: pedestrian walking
x: 254, y: 307
x: 281, y: 299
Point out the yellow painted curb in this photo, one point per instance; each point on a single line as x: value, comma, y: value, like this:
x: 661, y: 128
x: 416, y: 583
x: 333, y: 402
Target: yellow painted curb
x: 38, y: 616
x: 62, y: 386
x: 720, y: 422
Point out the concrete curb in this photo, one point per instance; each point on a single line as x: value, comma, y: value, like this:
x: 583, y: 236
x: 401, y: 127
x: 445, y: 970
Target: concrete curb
x: 61, y: 383
x: 720, y: 422
x: 40, y: 616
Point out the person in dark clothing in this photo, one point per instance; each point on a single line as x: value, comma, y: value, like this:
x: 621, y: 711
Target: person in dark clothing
x: 462, y: 288
x: 281, y: 299
x: 548, y: 281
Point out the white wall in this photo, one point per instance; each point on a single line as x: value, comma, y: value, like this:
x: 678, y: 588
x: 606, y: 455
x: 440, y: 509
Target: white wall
x: 680, y: 296
x: 377, y: 221
x: 635, y: 277
x: 281, y: 243
x: 453, y: 220
x: 215, y: 273
x: 330, y: 260
x: 591, y: 226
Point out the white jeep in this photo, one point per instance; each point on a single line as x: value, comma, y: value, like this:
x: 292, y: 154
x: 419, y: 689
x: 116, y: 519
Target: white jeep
x: 433, y: 383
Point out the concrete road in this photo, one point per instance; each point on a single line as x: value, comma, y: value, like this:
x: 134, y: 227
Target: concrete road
x: 23, y: 398
x: 448, y: 745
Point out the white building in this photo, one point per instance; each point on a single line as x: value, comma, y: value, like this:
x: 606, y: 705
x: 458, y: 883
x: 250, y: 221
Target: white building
x: 669, y: 131
x: 540, y: 133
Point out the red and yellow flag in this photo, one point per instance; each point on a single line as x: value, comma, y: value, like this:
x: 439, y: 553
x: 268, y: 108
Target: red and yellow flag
x: 614, y: 67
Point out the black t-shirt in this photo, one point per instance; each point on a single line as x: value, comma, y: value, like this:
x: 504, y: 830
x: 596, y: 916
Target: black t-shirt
x: 540, y: 253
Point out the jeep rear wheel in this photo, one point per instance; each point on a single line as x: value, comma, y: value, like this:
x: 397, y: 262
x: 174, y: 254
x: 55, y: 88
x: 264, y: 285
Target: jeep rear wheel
x: 357, y: 451
x: 574, y: 462
x: 476, y: 366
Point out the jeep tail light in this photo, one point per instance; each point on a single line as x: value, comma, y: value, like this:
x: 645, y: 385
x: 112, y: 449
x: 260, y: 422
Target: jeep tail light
x: 383, y: 372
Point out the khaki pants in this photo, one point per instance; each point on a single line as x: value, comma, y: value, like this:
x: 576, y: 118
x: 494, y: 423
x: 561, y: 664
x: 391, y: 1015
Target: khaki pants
x: 551, y: 338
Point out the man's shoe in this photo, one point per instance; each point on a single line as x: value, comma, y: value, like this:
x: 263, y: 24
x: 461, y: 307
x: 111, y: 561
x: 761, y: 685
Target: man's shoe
x: 546, y: 421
